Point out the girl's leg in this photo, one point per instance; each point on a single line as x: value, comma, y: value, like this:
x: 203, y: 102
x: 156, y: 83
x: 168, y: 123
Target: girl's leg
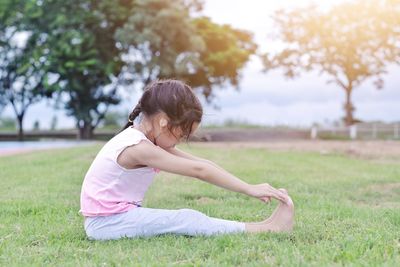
x: 149, y: 222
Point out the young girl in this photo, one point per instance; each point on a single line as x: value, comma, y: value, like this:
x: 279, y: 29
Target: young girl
x: 116, y: 182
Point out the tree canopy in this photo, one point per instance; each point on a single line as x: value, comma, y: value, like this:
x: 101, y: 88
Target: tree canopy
x: 352, y: 42
x: 169, y: 42
x: 82, y: 55
x: 226, y: 52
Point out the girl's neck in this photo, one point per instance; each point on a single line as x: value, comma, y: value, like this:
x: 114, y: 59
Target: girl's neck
x: 146, y: 128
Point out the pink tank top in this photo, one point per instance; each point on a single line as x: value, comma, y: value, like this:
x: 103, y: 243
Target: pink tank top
x: 109, y: 188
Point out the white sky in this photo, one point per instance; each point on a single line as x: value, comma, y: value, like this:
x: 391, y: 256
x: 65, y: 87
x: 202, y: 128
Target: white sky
x: 269, y: 98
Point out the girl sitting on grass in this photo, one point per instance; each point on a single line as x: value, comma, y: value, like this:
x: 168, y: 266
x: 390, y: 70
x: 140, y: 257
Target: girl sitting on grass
x: 118, y: 178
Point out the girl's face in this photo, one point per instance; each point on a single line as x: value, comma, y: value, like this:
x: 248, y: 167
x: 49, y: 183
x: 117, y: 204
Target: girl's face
x: 170, y: 138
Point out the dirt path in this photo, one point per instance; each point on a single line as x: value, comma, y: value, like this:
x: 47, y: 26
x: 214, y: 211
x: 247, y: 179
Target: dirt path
x: 22, y: 150
x: 388, y: 150
x: 10, y: 152
x: 376, y: 150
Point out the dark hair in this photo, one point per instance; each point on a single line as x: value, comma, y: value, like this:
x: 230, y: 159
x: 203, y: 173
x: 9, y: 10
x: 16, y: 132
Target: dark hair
x: 173, y: 97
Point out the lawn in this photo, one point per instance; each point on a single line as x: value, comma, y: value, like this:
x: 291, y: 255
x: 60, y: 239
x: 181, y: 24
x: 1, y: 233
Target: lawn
x: 347, y: 212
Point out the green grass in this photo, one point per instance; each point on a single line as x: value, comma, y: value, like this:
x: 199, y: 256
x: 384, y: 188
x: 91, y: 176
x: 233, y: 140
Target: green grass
x: 347, y: 212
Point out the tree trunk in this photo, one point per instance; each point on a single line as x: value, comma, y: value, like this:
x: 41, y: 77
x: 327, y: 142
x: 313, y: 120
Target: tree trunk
x: 86, y: 131
x: 348, y: 107
x: 20, y: 128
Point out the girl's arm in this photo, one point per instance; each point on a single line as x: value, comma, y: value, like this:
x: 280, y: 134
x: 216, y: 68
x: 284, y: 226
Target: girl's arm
x: 182, y: 154
x: 146, y: 153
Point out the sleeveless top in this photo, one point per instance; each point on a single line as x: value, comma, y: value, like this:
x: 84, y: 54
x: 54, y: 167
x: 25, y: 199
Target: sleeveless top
x: 109, y: 188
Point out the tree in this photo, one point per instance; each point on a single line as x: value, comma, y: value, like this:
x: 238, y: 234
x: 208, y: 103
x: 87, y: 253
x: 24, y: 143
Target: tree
x: 159, y: 39
x: 350, y: 43
x: 170, y: 42
x: 82, y: 53
x: 22, y: 75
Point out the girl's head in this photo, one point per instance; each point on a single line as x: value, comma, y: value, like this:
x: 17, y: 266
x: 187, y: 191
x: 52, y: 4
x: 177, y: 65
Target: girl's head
x: 173, y: 110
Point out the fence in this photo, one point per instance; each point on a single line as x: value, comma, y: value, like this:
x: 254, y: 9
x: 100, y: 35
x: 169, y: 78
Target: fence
x: 359, y: 131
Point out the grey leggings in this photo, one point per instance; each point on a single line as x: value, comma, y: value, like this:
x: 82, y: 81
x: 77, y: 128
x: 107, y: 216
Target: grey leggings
x: 141, y: 222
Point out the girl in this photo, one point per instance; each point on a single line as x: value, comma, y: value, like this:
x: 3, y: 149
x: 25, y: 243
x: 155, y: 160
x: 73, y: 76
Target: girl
x: 117, y: 180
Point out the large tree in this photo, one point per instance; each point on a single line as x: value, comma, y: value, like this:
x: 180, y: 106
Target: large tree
x: 81, y: 53
x: 159, y: 39
x: 169, y: 42
x: 351, y: 42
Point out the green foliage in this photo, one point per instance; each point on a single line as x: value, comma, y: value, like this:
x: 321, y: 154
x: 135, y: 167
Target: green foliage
x: 159, y: 32
x: 85, y: 49
x: 79, y: 50
x: 346, y: 212
x: 226, y: 52
x: 169, y: 42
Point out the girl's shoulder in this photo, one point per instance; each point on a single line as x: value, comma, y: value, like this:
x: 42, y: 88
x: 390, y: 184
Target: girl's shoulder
x: 128, y: 137
x: 129, y: 134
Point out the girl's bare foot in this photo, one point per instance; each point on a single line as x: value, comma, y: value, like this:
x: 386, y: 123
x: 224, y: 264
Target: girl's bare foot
x: 283, y: 190
x: 282, y: 219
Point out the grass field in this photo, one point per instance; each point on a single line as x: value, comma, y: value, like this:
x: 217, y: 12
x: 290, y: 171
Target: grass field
x: 347, y: 212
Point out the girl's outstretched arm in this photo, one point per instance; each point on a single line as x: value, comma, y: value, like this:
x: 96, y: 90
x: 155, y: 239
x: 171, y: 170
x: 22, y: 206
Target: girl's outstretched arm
x: 182, y: 154
x: 186, y: 155
x: 146, y: 153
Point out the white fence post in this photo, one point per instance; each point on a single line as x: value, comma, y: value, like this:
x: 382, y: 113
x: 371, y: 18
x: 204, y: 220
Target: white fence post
x: 314, y: 132
x: 396, y: 130
x: 353, y: 131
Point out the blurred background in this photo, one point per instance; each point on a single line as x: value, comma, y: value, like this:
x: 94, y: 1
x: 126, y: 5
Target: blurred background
x: 263, y: 69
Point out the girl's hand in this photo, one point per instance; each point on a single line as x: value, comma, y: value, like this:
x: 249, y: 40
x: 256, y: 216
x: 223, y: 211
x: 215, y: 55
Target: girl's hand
x: 264, y: 192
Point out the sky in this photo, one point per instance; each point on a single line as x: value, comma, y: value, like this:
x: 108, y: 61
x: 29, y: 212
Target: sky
x: 268, y: 98
x: 271, y: 99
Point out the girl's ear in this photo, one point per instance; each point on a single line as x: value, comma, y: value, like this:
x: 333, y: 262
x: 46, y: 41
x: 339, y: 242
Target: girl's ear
x: 163, y: 122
